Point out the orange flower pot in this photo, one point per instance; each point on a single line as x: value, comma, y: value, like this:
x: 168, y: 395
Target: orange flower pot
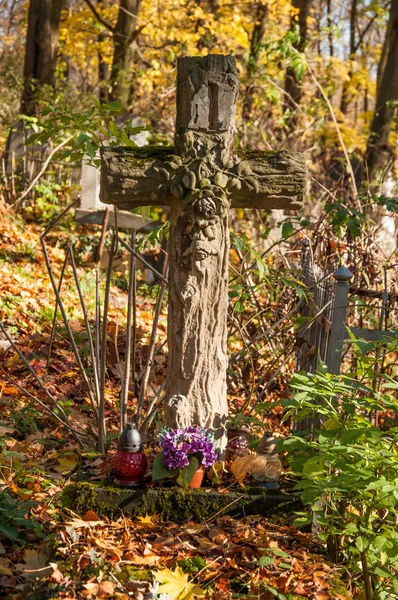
x: 197, y: 479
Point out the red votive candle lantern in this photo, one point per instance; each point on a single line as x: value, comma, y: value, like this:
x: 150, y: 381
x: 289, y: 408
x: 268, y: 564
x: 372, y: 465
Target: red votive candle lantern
x: 129, y: 462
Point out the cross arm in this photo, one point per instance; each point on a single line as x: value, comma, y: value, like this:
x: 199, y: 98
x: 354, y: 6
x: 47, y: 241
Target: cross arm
x: 132, y: 177
x: 270, y: 180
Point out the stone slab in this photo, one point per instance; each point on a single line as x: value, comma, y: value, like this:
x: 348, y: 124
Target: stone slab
x: 125, y: 219
x: 176, y: 504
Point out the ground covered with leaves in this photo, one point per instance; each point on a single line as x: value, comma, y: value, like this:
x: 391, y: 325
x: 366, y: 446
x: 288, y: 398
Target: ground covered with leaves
x: 46, y: 550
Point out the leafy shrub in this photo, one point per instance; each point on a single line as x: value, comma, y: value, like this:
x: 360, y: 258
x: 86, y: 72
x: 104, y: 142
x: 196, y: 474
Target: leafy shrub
x: 14, y: 519
x: 348, y: 472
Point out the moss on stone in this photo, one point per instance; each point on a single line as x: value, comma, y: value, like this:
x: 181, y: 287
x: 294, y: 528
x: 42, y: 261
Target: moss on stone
x: 262, y: 154
x: 131, y: 573
x: 164, y: 153
x: 337, y: 586
x: 175, y: 504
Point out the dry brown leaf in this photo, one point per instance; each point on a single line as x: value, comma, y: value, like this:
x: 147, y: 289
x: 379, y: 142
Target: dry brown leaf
x: 91, y: 516
x: 79, y: 523
x: 242, y: 466
x: 56, y: 575
x: 300, y: 589
x: 150, y: 560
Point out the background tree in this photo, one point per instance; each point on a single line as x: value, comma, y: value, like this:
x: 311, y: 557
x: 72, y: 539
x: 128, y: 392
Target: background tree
x: 300, y: 20
x: 387, y: 98
x: 40, y: 50
x: 124, y: 33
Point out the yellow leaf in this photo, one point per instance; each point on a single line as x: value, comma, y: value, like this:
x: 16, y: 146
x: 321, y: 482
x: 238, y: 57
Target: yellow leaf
x: 67, y: 463
x: 176, y: 584
x: 150, y: 520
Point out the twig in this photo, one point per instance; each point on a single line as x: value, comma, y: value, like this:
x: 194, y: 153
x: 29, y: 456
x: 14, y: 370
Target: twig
x: 101, y: 20
x: 105, y: 222
x: 67, y: 326
x: 97, y: 321
x: 18, y: 202
x: 330, y: 107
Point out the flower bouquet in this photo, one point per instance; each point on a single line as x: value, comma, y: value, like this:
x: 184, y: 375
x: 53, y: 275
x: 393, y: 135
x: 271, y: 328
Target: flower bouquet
x: 184, y: 452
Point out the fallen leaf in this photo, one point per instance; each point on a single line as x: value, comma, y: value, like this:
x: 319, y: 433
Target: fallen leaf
x: 150, y: 520
x: 35, y: 563
x: 300, y: 589
x: 177, y: 585
x: 91, y: 516
x: 217, y: 535
x: 107, y: 587
x: 150, y: 560
x: 56, y: 575
x: 67, y: 463
x: 242, y: 466
x: 79, y: 523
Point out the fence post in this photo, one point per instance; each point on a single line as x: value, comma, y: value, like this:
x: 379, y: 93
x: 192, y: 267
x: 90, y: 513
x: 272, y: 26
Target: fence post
x: 338, y: 331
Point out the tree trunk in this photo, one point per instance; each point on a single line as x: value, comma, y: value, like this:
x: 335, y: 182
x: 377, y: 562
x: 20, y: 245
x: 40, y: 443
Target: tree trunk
x: 330, y: 31
x: 40, y: 50
x: 123, y: 37
x: 103, y: 67
x: 345, y: 97
x: 251, y: 65
x: 377, y: 151
x: 292, y: 84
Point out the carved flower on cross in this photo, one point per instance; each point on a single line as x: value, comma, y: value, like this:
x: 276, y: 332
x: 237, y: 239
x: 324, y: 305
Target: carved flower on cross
x: 205, y: 206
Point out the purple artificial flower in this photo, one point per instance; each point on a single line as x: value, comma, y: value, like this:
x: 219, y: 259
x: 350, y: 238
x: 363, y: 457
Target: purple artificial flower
x: 179, y: 444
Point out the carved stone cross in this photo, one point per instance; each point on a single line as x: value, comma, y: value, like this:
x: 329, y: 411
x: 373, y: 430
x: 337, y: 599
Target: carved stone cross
x: 201, y: 179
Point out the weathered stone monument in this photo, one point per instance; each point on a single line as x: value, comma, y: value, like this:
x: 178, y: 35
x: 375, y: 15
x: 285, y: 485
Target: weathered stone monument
x: 201, y: 179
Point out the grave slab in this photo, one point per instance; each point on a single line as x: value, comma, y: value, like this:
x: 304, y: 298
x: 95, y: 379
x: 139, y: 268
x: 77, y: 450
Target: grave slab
x: 175, y: 504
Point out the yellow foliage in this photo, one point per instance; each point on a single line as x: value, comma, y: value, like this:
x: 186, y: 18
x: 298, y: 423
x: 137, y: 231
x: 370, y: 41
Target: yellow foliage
x: 177, y: 585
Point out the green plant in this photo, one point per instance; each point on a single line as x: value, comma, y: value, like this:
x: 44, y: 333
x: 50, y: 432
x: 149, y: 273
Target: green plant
x: 14, y: 519
x: 348, y: 470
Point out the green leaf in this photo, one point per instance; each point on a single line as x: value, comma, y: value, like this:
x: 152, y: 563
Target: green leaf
x: 379, y: 543
x: 314, y: 466
x: 361, y: 543
x: 187, y: 473
x: 82, y: 138
x: 10, y: 532
x: 266, y: 560
x: 287, y: 229
x: 159, y: 470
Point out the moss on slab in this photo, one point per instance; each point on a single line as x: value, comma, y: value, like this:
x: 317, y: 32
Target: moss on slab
x: 131, y: 573
x: 176, y: 504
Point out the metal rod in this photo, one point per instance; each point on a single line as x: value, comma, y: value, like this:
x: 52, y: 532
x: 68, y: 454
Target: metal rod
x: 66, y: 323
x: 142, y: 259
x: 101, y: 416
x: 52, y: 335
x: 44, y: 406
x: 39, y: 381
x: 130, y: 337
x: 88, y: 330
x: 151, y: 346
x: 105, y: 222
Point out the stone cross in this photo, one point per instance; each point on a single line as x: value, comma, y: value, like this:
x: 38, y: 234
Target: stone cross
x: 201, y: 179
